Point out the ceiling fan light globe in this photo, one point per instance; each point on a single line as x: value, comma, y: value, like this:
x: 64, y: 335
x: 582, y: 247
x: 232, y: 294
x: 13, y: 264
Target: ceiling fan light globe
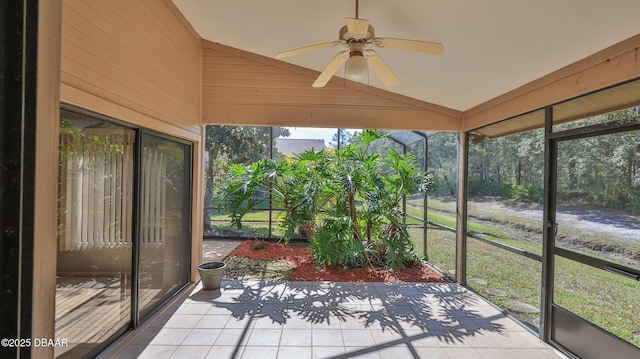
x: 356, y: 68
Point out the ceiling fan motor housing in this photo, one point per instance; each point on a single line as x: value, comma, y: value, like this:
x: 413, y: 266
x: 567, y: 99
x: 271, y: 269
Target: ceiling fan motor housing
x: 347, y: 36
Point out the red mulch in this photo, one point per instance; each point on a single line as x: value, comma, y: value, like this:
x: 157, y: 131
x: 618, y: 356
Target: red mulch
x: 306, y: 270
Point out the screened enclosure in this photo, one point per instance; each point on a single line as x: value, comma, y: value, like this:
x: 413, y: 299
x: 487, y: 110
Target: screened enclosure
x: 552, y: 214
x: 246, y: 144
x: 550, y: 210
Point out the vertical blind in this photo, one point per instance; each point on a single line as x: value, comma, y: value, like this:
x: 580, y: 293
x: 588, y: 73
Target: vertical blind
x: 96, y: 188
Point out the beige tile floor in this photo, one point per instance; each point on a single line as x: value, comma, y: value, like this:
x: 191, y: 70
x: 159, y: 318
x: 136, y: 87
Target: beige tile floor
x: 331, y: 320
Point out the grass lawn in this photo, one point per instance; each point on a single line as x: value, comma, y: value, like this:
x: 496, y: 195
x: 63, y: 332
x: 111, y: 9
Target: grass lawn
x: 517, y: 276
x: 607, y: 299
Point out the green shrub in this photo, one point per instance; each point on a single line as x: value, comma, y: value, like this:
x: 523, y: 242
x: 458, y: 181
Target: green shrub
x: 528, y: 192
x: 333, y: 244
x: 347, y: 202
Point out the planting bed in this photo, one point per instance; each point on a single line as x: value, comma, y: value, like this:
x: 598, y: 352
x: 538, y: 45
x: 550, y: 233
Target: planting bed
x: 294, y: 262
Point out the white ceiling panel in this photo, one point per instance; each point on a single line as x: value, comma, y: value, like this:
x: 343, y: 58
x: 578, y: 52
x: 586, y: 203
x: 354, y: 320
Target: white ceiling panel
x: 491, y: 46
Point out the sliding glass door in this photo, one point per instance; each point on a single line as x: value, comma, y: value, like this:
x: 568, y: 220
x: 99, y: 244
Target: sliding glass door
x: 95, y: 241
x: 164, y: 212
x: 124, y: 215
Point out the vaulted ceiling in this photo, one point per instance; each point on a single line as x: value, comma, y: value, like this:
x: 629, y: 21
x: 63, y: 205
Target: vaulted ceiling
x: 491, y: 46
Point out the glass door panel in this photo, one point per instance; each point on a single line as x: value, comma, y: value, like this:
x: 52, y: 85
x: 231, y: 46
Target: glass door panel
x: 95, y: 182
x: 164, y: 234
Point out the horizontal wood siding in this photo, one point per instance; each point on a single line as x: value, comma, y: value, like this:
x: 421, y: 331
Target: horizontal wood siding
x: 328, y: 116
x: 139, y: 61
x: 139, y: 55
x: 244, y: 88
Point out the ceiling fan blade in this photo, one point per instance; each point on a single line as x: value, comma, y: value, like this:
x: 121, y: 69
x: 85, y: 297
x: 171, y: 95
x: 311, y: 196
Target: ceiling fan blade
x: 357, y: 27
x: 302, y: 50
x: 434, y: 48
x: 331, y: 69
x: 380, y: 68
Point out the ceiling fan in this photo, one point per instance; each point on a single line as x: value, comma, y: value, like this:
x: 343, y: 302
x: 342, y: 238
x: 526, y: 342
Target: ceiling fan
x: 356, y: 35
